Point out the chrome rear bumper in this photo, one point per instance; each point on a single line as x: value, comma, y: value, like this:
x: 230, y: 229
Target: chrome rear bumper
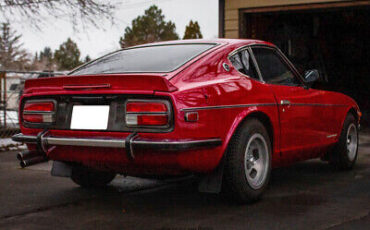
x: 131, y: 142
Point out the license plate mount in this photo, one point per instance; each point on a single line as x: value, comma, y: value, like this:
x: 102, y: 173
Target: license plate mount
x: 90, y: 117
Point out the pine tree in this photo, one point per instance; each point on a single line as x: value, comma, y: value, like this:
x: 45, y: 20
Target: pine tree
x: 192, y: 31
x: 68, y: 55
x: 150, y: 27
x: 87, y: 59
x: 12, y: 55
x: 46, y: 56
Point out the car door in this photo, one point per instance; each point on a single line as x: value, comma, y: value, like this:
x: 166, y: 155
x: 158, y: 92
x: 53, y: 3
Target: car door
x: 297, y: 105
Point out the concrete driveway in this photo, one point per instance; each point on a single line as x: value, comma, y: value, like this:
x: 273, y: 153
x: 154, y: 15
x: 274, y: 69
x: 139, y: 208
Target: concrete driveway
x: 308, y: 195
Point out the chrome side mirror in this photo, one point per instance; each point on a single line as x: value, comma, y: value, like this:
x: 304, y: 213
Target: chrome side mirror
x: 311, y: 76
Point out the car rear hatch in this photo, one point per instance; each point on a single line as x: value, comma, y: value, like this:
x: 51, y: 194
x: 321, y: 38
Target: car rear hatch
x: 65, y: 103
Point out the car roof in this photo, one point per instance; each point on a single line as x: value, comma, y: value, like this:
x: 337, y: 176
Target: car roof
x: 231, y: 43
x: 235, y: 42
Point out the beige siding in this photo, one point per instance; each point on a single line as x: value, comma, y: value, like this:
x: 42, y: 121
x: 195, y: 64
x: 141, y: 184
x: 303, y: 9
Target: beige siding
x: 236, y: 4
x: 231, y: 14
x: 231, y: 34
x: 232, y: 23
x: 232, y: 11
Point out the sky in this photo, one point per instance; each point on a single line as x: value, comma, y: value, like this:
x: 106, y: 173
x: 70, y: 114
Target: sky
x: 96, y: 42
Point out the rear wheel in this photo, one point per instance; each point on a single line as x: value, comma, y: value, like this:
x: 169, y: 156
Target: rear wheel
x: 91, y: 178
x: 248, y: 163
x: 344, y: 154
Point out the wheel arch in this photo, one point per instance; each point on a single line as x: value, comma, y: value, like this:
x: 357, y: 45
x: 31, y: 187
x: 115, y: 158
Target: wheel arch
x: 212, y: 182
x: 354, y: 112
x: 351, y: 110
x: 259, y: 115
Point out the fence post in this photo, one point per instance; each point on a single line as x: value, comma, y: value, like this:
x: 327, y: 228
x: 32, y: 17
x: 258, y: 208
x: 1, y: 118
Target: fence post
x: 3, y: 76
x: 5, y: 100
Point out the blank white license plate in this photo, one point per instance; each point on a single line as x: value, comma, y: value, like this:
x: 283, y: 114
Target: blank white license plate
x: 91, y: 117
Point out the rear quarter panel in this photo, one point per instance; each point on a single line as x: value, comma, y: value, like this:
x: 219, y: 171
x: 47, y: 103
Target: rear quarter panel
x: 205, y: 87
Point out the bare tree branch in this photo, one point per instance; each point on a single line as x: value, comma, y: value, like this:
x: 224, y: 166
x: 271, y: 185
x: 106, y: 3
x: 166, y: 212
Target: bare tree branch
x: 79, y: 12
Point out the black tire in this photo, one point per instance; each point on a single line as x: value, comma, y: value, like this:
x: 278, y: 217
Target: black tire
x: 90, y: 178
x: 340, y: 157
x: 236, y: 186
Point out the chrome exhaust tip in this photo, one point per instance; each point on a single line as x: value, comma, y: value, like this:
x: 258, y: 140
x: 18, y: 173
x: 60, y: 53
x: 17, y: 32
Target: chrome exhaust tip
x: 27, y: 155
x: 28, y: 158
x: 32, y: 161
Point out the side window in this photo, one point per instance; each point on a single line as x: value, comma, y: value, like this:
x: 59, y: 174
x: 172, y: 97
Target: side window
x: 273, y: 69
x: 244, y: 64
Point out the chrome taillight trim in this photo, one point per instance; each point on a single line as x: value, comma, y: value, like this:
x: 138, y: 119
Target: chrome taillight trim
x: 38, y: 112
x: 52, y: 113
x: 168, y: 113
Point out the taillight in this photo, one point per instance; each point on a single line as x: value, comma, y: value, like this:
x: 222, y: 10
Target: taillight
x: 147, y: 113
x: 39, y: 111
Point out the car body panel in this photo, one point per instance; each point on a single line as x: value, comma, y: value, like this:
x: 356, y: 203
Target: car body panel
x: 222, y: 98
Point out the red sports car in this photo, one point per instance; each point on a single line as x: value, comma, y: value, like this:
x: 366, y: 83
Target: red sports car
x: 226, y: 110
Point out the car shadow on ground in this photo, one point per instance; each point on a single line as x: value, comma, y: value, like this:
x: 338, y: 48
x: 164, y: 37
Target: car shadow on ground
x: 300, y: 183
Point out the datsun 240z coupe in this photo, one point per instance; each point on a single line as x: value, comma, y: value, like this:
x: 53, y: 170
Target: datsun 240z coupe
x: 225, y: 110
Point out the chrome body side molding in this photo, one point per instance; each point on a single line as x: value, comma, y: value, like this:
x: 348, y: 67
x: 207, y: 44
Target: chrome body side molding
x: 282, y: 102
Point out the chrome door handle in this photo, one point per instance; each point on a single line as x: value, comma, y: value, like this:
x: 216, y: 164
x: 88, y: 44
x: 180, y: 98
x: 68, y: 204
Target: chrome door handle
x: 284, y: 102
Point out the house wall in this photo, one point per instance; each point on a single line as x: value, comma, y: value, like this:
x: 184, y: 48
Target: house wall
x: 232, y: 7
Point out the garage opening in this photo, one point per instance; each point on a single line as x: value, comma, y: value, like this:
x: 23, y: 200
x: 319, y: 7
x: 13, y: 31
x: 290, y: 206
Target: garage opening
x: 333, y: 40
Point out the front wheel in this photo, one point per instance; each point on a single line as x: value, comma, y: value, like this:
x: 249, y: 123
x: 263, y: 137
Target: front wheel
x: 344, y: 154
x: 248, y: 163
x: 91, y: 178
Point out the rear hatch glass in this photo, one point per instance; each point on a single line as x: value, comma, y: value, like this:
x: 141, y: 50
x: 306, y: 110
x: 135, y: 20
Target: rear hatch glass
x: 157, y: 58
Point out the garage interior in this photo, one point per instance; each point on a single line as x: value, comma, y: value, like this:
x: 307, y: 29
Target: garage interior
x: 334, y: 40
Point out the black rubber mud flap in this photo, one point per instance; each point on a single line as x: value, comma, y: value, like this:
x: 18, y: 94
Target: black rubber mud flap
x: 212, y: 182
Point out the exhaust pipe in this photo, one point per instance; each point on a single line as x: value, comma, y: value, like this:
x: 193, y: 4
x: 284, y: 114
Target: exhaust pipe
x: 27, y: 154
x: 28, y: 158
x: 33, y: 161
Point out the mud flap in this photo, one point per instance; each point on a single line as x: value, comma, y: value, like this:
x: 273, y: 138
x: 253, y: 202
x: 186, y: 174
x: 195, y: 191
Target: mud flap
x: 212, y: 182
x: 61, y: 169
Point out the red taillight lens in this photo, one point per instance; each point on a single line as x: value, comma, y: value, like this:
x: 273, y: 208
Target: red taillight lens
x: 134, y: 107
x: 39, y: 112
x: 152, y: 119
x: 147, y: 113
x: 39, y: 106
x: 34, y: 118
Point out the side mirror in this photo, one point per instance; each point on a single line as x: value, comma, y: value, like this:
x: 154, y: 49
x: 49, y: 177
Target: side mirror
x: 311, y: 76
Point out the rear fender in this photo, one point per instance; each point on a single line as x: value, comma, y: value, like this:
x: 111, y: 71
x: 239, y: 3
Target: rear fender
x: 212, y: 182
x: 241, y: 117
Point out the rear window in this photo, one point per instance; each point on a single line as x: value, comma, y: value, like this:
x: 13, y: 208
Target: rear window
x: 158, y: 58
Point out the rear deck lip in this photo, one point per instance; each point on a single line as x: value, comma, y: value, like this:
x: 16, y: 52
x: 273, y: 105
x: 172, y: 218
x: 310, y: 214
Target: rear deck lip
x: 137, y: 143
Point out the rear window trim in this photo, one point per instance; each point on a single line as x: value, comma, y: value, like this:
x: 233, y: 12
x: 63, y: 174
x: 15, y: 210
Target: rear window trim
x: 213, y: 46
